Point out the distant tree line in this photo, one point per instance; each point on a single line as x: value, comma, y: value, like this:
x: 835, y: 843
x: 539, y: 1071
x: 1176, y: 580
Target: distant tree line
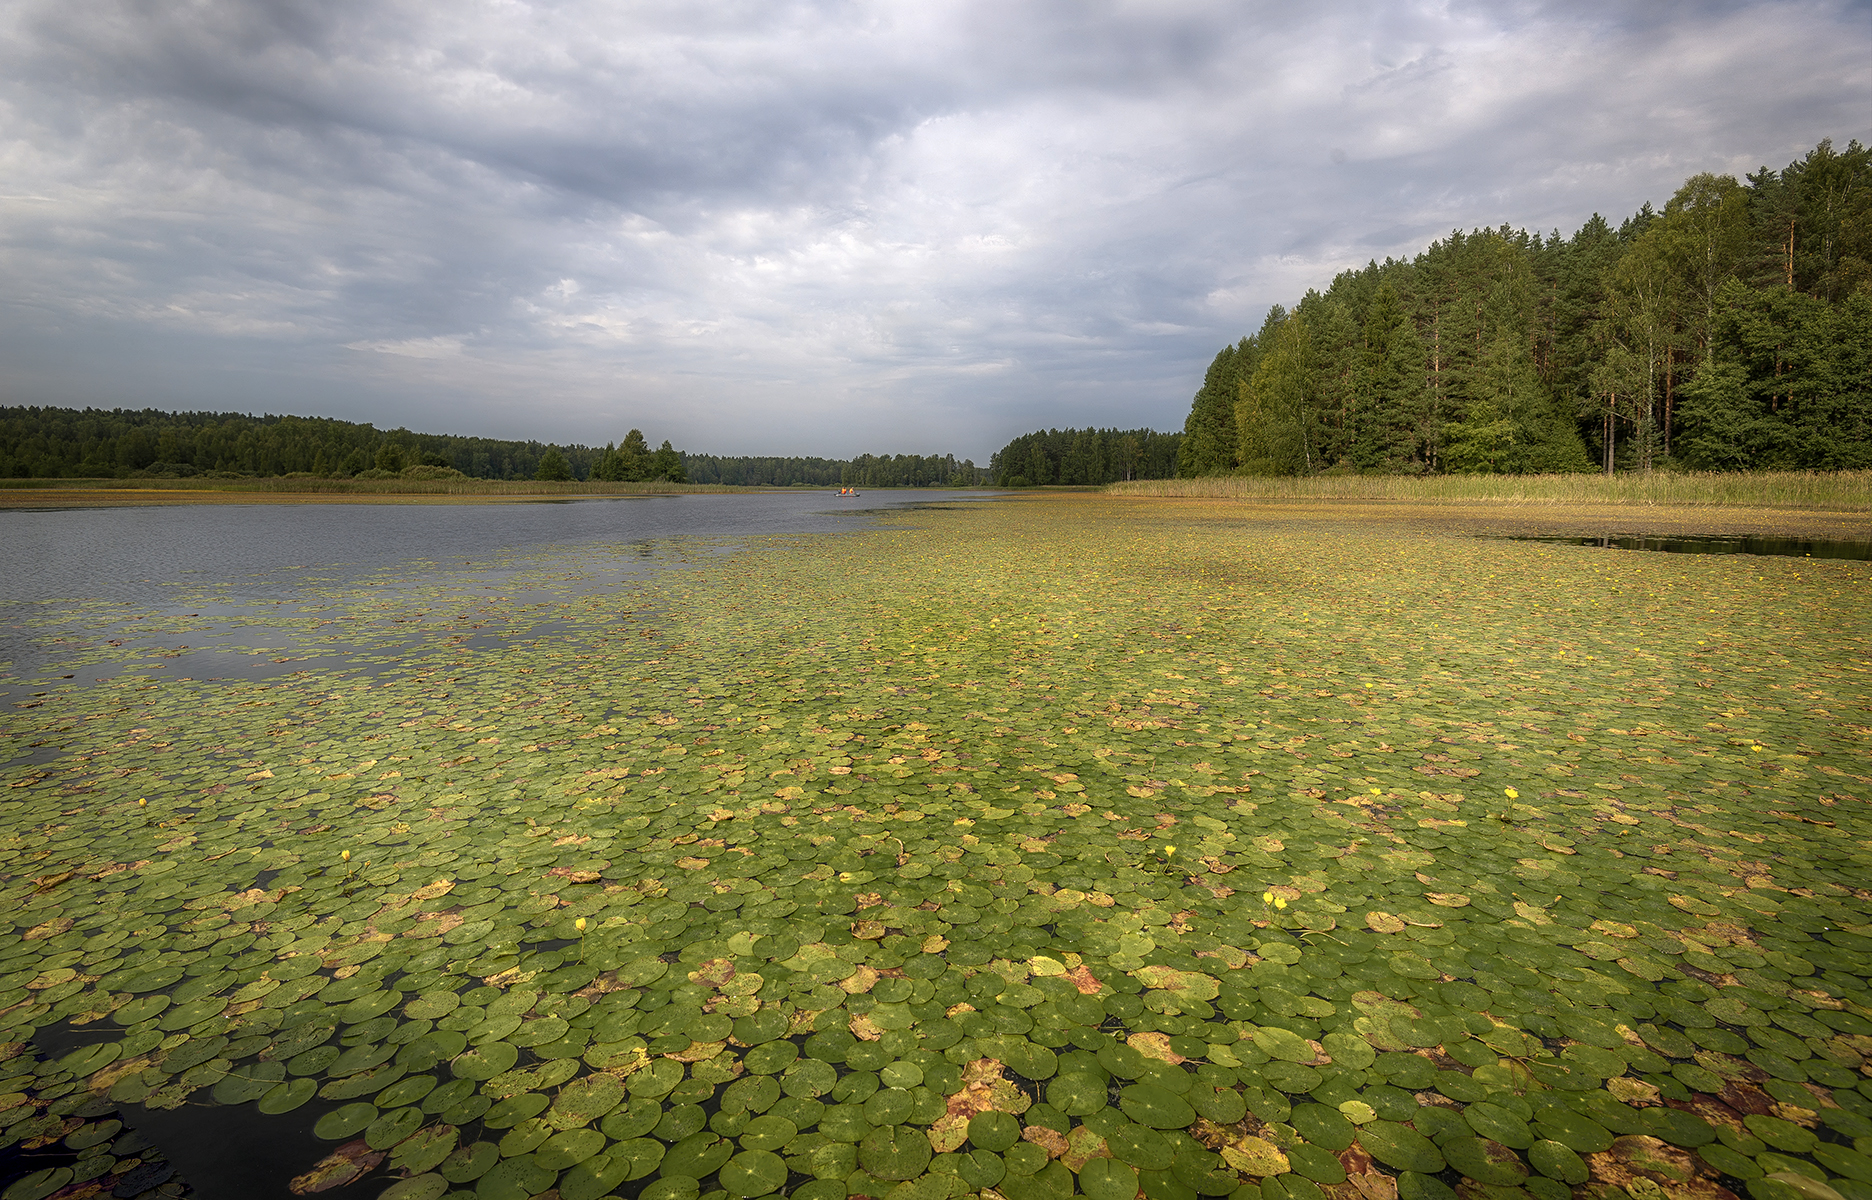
x: 1731, y: 331
x: 867, y: 470
x: 65, y: 443
x: 70, y: 443
x: 1085, y: 456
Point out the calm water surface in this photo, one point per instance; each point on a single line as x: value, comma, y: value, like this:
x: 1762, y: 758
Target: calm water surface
x: 86, y: 575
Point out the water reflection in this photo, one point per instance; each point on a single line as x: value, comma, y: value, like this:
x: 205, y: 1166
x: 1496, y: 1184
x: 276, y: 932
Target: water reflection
x: 1789, y: 547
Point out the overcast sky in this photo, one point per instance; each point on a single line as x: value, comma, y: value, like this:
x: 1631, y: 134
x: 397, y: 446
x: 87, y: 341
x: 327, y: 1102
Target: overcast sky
x: 756, y: 226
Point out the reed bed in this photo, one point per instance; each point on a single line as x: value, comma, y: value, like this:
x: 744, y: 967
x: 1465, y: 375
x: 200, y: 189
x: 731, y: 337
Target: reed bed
x: 1849, y: 491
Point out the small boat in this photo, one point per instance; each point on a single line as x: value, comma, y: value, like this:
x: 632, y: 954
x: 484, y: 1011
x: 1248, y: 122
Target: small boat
x: 846, y: 491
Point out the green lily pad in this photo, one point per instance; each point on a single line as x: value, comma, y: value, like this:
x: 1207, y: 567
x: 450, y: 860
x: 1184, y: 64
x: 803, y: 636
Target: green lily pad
x: 568, y: 1148
x: 87, y: 1059
x: 345, y: 1122
x: 679, y: 1122
x: 1156, y: 1107
x: 1108, y: 1179
x: 373, y: 1004
x: 760, y: 1027
x: 1484, y: 1161
x: 284, y: 1097
x: 1140, y: 1147
x: 433, y: 1004
x: 770, y: 1058
x: 1283, y: 1044
x: 1579, y: 1134
x: 485, y: 1062
x: 406, y: 1091
x: 753, y: 1173
x: 1555, y: 1161
x: 994, y: 1131
x: 516, y: 1178
x: 1223, y: 1105
x: 1349, y: 1050
x: 38, y: 1185
x: 641, y: 971
x: 585, y: 1100
x: 895, y: 1152
x: 139, y: 1010
x: 1497, y: 1123
x: 1781, y: 1134
x: 425, y: 1149
x: 182, y: 1016
x: 392, y: 1127
x: 1401, y: 1147
x: 767, y: 1133
x: 1324, y: 1126
x: 638, y: 1157
x: 596, y: 1177
x: 901, y: 1074
x: 698, y: 1155
x: 420, y: 1187
x: 524, y: 1137
x: 448, y: 1095
x: 1077, y: 1094
x: 470, y: 1162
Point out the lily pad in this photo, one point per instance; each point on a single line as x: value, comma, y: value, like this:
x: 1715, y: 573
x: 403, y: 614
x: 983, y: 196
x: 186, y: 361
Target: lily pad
x: 284, y: 1097
x: 569, y: 1148
x: 1400, y: 1146
x: 485, y: 1062
x: 1139, y: 1146
x: 419, y: 1187
x: 895, y: 1152
x: 1156, y: 1107
x: 1108, y: 1179
x: 755, y: 1173
x: 1484, y: 1161
x: 392, y: 1127
x: 994, y: 1131
x: 345, y: 1122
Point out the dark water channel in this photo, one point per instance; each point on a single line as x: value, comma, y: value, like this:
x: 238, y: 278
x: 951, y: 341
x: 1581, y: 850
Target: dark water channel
x: 1856, y: 551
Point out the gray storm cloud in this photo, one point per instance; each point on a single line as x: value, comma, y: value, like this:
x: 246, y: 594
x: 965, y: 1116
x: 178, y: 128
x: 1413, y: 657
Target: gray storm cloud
x: 806, y: 228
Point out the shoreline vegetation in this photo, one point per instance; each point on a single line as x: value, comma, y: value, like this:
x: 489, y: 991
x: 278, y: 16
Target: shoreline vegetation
x: 1838, y: 491
x: 1817, y: 491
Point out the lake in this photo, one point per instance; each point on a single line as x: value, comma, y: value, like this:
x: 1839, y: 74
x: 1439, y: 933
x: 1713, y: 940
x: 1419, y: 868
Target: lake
x: 96, y: 575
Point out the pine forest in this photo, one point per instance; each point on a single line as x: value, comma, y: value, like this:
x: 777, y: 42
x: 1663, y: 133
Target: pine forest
x: 1730, y: 331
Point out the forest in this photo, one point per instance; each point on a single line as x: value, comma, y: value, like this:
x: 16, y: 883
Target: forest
x: 1730, y: 331
x: 867, y: 470
x: 1085, y: 456
x: 65, y: 443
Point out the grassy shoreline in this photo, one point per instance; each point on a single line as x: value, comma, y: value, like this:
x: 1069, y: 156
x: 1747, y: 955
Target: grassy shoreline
x: 1848, y: 491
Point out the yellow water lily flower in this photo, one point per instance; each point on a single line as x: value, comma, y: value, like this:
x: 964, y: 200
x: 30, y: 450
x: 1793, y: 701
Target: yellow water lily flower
x: 1511, y: 793
x: 1267, y: 897
x: 579, y: 924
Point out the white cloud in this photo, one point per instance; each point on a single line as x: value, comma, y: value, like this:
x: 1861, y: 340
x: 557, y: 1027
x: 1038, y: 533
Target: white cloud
x: 432, y: 347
